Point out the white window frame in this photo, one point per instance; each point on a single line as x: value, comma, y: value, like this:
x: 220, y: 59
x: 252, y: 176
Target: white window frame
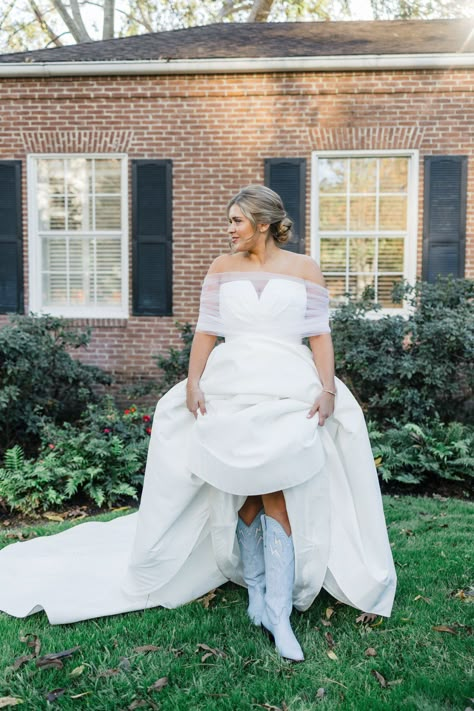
x: 410, y: 255
x: 34, y: 243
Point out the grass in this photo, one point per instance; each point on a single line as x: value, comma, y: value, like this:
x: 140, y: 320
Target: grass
x: 425, y: 669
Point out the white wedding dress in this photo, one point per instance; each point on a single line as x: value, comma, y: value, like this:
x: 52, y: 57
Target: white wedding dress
x: 255, y: 438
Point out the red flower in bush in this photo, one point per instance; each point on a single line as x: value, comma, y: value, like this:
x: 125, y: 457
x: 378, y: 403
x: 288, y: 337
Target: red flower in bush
x: 148, y: 430
x: 107, y: 431
x: 146, y: 418
x: 51, y: 446
x: 133, y: 409
x: 127, y: 412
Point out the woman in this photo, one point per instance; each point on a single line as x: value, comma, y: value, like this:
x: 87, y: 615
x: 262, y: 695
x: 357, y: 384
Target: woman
x: 259, y: 425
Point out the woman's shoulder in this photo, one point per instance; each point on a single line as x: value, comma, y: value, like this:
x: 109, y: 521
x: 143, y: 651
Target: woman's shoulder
x: 224, y: 263
x: 306, y: 268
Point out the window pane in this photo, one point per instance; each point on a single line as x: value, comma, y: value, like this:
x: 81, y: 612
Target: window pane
x: 54, y: 254
x: 393, y: 213
x: 55, y: 290
x: 79, y: 213
x: 333, y: 255
x: 391, y: 254
x: 385, y: 286
x: 362, y: 213
x: 337, y: 288
x: 107, y: 213
x: 361, y: 254
x: 52, y: 215
x: 358, y: 283
x: 107, y: 176
x: 393, y: 175
x: 363, y: 175
x: 51, y: 175
x: 109, y: 289
x: 78, y: 292
x: 332, y: 175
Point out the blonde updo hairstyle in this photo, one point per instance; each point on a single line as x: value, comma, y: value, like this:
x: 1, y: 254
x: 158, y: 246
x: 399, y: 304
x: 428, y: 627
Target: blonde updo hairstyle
x: 263, y: 206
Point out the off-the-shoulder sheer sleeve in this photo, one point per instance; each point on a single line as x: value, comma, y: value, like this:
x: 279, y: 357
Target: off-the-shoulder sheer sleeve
x: 263, y: 303
x: 209, y: 320
x: 316, y: 319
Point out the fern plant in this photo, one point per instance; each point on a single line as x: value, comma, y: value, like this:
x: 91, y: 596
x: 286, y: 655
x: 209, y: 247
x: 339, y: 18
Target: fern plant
x: 413, y: 453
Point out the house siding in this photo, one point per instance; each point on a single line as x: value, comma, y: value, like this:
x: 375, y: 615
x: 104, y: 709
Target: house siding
x: 217, y: 130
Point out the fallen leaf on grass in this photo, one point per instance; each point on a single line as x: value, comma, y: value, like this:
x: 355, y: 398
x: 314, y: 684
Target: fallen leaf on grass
x: 407, y: 531
x: 331, y: 654
x: 51, y: 516
x: 382, y: 681
x: 177, y: 651
x: 147, y: 648
x: 138, y: 704
x: 159, y: 684
x: 108, y: 672
x: 53, y: 660
x: 370, y: 652
x: 444, y: 628
x: 465, y: 594
x: 54, y: 694
x: 9, y: 701
x: 43, y: 663
x: 78, y: 696
x: 77, y: 671
x: 421, y: 597
x: 326, y: 623
x: 121, y: 508
x: 270, y: 707
x: 329, y: 612
x: 19, y: 662
x: 330, y: 640
x: 207, y: 599
x: 438, y: 497
x: 210, y: 652
x: 33, y: 641
x: 321, y: 693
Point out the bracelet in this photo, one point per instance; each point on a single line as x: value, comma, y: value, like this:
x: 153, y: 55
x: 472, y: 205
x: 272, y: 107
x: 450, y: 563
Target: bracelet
x: 331, y: 392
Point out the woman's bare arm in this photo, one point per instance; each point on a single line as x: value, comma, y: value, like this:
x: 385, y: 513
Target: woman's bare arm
x: 203, y: 343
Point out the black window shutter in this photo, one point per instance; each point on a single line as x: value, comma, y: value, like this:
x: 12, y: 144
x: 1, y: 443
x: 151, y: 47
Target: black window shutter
x: 11, y: 262
x: 444, y: 216
x: 287, y: 177
x: 152, y: 237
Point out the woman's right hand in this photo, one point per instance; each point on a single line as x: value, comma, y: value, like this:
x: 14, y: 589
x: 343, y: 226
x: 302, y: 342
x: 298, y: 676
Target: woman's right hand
x: 195, y: 399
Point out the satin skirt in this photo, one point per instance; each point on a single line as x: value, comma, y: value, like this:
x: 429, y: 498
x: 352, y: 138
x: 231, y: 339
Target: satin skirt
x: 254, y: 439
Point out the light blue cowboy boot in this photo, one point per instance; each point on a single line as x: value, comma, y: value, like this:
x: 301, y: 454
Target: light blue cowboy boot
x: 279, y: 575
x: 250, y: 540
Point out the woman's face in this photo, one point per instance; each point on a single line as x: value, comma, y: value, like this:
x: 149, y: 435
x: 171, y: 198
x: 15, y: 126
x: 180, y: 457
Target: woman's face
x: 243, y: 235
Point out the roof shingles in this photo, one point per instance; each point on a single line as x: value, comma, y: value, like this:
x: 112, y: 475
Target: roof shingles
x: 272, y: 39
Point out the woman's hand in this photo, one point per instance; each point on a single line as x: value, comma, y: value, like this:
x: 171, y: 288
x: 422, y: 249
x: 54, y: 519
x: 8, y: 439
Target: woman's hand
x: 324, y: 406
x: 195, y: 400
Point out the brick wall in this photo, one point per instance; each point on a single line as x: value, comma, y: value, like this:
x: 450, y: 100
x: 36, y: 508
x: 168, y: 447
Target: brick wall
x: 217, y: 130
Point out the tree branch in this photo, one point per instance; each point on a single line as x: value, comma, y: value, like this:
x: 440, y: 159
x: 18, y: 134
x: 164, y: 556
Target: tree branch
x: 54, y: 37
x: 76, y: 13
x: 68, y: 21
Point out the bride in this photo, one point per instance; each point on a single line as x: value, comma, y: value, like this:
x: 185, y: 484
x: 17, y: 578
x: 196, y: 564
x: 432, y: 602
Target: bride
x: 259, y: 469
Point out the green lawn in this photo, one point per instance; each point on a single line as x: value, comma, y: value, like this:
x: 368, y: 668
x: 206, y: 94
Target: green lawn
x: 422, y: 668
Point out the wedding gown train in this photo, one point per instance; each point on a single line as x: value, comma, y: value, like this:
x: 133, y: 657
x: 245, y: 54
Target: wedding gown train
x: 255, y: 438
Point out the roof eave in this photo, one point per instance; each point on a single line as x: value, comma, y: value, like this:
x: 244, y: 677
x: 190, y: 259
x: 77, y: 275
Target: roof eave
x: 339, y: 63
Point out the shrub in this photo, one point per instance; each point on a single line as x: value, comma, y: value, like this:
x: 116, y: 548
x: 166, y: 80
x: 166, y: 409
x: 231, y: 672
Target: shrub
x: 410, y: 368
x: 174, y: 364
x: 39, y: 380
x: 101, y: 458
x: 411, y: 454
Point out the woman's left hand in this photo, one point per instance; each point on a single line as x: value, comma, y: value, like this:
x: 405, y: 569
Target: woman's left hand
x: 324, y: 406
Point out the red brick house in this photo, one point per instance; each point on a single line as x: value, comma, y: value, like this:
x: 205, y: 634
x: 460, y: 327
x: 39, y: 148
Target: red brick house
x: 117, y: 159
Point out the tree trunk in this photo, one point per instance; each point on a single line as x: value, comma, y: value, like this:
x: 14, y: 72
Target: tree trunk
x: 109, y: 15
x: 77, y: 29
x: 260, y: 11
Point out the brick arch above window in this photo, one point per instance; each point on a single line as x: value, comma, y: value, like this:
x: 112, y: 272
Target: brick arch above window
x: 366, y: 138
x: 77, y: 141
